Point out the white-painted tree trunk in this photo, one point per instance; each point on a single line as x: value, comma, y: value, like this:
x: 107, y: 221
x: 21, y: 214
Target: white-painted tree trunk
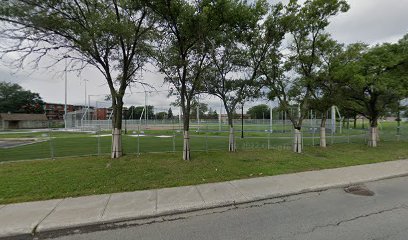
x: 373, y: 137
x: 322, y: 137
x: 186, y: 146
x: 297, y: 141
x: 116, y: 143
x: 231, y: 143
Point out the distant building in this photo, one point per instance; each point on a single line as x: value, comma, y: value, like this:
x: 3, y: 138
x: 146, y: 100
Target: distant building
x: 103, y: 113
x: 56, y: 111
x: 22, y: 120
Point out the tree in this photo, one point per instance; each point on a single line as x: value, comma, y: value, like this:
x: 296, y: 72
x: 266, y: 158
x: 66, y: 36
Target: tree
x: 14, y: 99
x: 325, y: 89
x: 202, y: 108
x: 112, y: 36
x: 139, y: 112
x: 232, y: 75
x: 170, y: 114
x: 182, y: 52
x: 290, y: 79
x: 259, y: 111
x: 212, y: 114
x: 375, y: 80
x: 161, y: 115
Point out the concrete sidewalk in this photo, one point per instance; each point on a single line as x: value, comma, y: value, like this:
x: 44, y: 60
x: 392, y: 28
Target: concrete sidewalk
x: 26, y: 219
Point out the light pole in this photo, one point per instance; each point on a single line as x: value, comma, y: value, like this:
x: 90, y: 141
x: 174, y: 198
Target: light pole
x: 242, y: 120
x: 271, y: 119
x: 198, y: 112
x: 65, y: 105
x: 85, y: 80
x: 220, y: 118
x: 89, y: 105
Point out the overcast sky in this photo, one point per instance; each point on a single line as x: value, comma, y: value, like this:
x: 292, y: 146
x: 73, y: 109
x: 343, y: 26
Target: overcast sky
x: 369, y: 21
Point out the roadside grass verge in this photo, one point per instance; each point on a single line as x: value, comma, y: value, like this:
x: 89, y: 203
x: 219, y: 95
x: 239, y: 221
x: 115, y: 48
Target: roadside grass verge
x: 70, y: 177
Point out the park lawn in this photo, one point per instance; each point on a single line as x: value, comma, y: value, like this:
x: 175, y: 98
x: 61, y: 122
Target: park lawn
x: 70, y: 177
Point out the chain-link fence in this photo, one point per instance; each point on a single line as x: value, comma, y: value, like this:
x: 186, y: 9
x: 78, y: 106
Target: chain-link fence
x: 93, y: 137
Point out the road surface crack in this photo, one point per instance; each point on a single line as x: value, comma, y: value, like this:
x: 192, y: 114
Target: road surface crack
x: 351, y: 219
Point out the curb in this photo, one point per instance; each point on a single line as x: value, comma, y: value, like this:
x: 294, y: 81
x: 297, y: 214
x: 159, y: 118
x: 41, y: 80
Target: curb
x: 174, y: 214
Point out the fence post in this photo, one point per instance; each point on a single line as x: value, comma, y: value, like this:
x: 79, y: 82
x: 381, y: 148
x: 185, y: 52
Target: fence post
x: 313, y: 134
x: 98, y: 139
x: 206, y: 139
x: 51, y: 143
x: 332, y: 136
x: 138, y: 140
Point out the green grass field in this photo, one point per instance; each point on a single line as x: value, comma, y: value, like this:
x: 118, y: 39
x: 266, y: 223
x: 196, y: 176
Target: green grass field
x: 55, y: 144
x: 68, y: 177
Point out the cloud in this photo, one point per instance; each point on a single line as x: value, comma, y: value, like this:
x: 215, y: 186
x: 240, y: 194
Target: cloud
x: 370, y: 21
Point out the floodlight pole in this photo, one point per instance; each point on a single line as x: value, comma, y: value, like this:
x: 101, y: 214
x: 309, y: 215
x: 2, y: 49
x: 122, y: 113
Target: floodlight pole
x: 145, y: 92
x: 85, y: 80
x: 271, y: 118
x: 146, y: 112
x: 333, y: 119
x: 220, y: 118
x: 242, y: 120
x: 198, y: 112
x: 65, y: 105
x: 89, y: 106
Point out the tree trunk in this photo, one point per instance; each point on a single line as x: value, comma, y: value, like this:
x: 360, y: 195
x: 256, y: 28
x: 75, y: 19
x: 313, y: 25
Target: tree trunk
x: 186, y: 145
x: 116, y: 143
x: 323, y: 132
x: 373, y: 136
x: 355, y: 122
x: 231, y: 140
x: 186, y: 128
x: 297, y: 141
x: 117, y: 104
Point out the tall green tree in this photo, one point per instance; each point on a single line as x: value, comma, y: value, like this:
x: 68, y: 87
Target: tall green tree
x: 230, y: 76
x: 139, y: 112
x: 170, y: 114
x: 375, y: 81
x: 201, y: 107
x: 112, y: 36
x: 182, y: 51
x: 259, y: 111
x: 325, y: 89
x: 14, y: 99
x: 290, y: 75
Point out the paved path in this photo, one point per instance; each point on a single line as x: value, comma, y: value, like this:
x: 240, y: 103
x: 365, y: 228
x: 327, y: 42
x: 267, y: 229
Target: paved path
x: 25, y: 219
x: 331, y: 214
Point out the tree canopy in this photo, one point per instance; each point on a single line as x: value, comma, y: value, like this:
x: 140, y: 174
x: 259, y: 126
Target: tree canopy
x: 14, y: 99
x: 113, y: 36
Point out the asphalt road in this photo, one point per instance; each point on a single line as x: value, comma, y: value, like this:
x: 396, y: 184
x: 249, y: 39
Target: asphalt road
x: 332, y: 214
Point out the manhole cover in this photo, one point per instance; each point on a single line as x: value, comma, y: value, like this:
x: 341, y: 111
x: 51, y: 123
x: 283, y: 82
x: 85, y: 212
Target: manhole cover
x: 359, y: 190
